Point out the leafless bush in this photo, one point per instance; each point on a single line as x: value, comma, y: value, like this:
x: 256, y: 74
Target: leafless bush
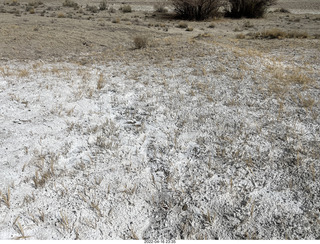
x: 197, y: 9
x: 248, y: 8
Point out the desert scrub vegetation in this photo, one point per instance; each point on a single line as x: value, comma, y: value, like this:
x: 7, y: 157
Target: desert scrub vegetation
x: 196, y: 9
x: 247, y: 8
x: 71, y: 4
x: 278, y: 34
x: 140, y: 42
x: 204, y: 9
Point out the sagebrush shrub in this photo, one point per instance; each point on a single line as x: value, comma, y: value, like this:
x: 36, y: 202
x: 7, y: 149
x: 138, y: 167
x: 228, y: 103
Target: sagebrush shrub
x: 248, y: 8
x: 196, y: 9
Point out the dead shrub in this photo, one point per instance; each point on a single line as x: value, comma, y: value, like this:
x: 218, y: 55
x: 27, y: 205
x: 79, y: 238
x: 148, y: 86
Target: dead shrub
x: 196, y: 9
x: 248, y: 8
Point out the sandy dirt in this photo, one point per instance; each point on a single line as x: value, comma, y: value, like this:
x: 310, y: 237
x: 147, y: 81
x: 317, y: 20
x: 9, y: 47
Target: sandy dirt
x: 209, y: 132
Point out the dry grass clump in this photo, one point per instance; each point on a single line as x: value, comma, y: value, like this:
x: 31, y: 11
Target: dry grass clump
x: 23, y: 73
x: 61, y: 15
x: 39, y: 179
x: 140, y: 42
x: 101, y: 82
x: 182, y: 25
x: 5, y: 197
x: 43, y: 174
x: 19, y: 229
x: 278, y: 34
x: 297, y: 34
x: 298, y: 76
x: 288, y: 77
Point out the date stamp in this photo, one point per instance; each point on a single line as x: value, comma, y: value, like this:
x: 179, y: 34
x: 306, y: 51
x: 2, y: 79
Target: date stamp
x: 160, y: 241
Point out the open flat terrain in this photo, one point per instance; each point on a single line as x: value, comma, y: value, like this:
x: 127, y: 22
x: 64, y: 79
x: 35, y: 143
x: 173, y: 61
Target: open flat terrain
x: 210, y: 131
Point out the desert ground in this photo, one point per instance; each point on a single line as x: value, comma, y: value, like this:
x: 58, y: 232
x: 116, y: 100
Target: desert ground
x: 128, y: 123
